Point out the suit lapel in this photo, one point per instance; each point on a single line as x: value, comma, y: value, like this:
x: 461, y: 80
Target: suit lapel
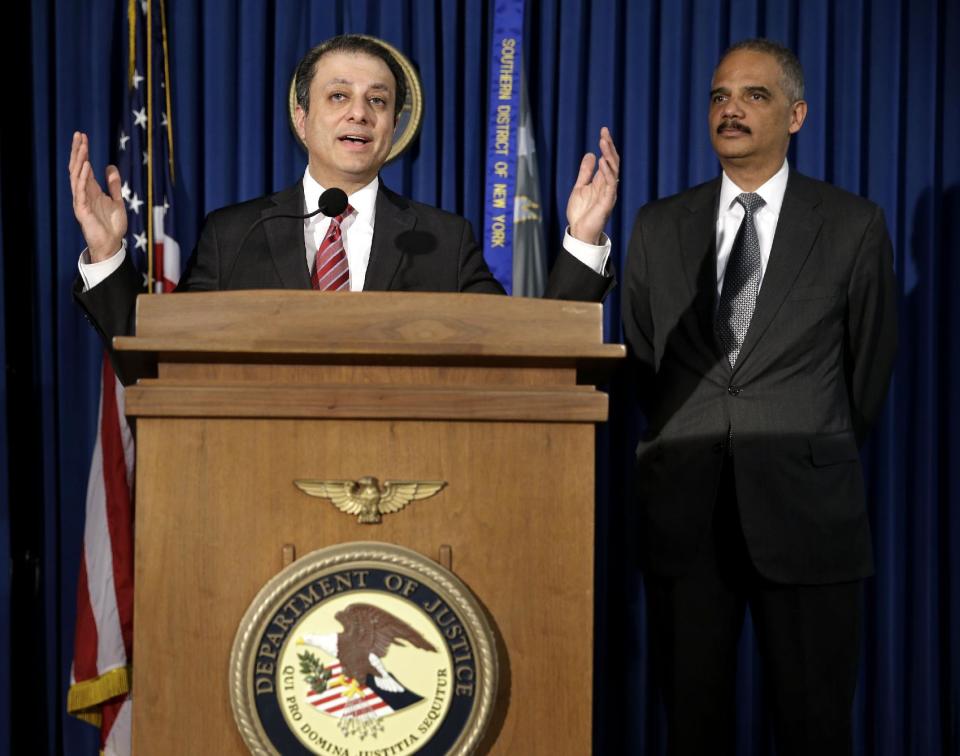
x: 698, y: 252
x: 394, y: 217
x: 285, y: 238
x: 797, y: 230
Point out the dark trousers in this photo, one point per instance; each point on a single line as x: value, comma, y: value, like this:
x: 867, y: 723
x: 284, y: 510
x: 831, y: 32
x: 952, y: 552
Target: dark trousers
x: 808, y: 637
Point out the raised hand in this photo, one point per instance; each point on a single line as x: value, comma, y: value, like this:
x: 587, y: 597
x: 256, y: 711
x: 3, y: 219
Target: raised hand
x: 594, y: 194
x: 102, y: 217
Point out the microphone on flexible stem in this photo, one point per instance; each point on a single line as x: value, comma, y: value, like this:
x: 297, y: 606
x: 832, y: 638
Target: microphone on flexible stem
x: 331, y: 203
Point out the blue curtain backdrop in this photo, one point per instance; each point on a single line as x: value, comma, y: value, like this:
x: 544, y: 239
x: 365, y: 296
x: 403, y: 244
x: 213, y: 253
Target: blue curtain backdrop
x: 883, y: 83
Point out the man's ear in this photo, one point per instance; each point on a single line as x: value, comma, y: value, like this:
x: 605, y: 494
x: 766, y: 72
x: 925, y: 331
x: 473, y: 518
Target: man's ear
x: 798, y: 114
x: 299, y: 116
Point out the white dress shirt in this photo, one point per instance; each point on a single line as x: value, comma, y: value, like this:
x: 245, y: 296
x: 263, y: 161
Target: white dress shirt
x: 356, y: 229
x: 357, y: 233
x: 731, y: 213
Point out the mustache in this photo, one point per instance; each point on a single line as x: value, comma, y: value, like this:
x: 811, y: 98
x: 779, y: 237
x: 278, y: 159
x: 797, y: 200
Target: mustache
x: 733, y: 123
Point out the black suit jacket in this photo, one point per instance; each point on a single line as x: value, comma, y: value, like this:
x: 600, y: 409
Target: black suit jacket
x: 808, y: 384
x: 415, y: 247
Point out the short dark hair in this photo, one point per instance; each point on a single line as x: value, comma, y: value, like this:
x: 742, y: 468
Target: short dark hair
x: 348, y: 43
x: 791, y: 72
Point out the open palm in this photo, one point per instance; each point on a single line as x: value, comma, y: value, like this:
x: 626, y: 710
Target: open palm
x: 102, y: 217
x: 595, y: 193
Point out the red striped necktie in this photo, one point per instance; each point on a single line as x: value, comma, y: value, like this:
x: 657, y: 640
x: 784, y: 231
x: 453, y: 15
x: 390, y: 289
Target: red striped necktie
x: 330, y: 269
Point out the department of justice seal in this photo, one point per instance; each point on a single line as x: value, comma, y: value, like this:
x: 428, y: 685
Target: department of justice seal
x: 363, y: 649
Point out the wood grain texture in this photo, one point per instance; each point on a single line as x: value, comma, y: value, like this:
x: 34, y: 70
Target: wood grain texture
x: 569, y: 404
x: 257, y: 389
x: 302, y: 320
x: 286, y: 346
x: 209, y: 536
x: 366, y: 374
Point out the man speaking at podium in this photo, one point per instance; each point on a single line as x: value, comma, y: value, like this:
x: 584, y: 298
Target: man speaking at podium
x: 350, y: 91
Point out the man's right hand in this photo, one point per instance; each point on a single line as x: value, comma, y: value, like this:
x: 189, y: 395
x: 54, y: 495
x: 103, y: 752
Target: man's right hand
x: 102, y: 217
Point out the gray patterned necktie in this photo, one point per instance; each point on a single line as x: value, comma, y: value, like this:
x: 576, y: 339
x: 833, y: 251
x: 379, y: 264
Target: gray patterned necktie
x: 741, y: 281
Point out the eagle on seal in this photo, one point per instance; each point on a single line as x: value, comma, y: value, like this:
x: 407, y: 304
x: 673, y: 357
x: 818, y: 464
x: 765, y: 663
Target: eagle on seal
x: 368, y: 633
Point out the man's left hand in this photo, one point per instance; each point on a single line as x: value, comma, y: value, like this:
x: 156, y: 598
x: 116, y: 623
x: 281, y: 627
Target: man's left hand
x: 595, y: 193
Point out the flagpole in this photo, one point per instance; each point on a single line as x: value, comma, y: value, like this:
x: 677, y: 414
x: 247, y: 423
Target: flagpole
x: 167, y: 88
x: 132, y: 38
x: 150, y: 249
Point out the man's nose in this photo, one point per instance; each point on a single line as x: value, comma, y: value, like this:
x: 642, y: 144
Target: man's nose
x: 359, y: 110
x: 732, y: 108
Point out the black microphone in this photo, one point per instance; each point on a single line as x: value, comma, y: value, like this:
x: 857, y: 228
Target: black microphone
x: 331, y: 203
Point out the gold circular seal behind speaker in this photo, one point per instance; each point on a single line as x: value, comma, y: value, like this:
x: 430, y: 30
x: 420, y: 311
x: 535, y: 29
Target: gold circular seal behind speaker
x: 411, y: 115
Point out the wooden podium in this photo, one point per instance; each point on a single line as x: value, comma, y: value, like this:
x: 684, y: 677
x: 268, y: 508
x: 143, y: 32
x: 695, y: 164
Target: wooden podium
x: 257, y: 389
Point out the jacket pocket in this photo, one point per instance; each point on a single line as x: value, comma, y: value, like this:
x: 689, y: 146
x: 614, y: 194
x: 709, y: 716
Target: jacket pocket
x: 834, y: 449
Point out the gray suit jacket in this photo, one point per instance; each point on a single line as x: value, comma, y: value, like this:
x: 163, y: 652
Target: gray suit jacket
x: 808, y: 384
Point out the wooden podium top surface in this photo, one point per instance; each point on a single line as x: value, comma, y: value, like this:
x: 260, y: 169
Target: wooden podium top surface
x: 387, y: 324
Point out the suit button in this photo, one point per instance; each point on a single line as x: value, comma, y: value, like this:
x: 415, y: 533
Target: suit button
x: 733, y: 390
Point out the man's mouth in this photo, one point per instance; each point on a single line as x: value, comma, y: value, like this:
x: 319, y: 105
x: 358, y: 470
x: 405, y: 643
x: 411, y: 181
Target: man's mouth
x: 728, y: 126
x: 355, y: 139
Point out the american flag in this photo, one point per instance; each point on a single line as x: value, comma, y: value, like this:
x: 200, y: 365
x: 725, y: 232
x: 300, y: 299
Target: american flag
x: 100, y: 690
x: 144, y: 150
x: 336, y: 702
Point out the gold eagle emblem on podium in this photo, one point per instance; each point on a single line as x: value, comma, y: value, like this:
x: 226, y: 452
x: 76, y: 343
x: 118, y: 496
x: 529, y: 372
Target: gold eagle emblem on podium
x: 367, y: 498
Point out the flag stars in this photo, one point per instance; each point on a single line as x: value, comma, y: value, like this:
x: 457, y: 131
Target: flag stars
x: 146, y: 158
x: 137, y: 78
x: 135, y: 203
x: 143, y: 7
x: 140, y: 241
x: 140, y: 118
x: 163, y: 120
x: 125, y: 191
x: 166, y: 205
x: 123, y: 140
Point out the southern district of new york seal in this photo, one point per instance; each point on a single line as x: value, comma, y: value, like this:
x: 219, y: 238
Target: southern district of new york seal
x: 363, y: 649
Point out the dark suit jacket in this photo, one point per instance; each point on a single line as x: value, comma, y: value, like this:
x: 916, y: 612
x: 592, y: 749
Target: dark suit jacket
x: 808, y: 384
x: 415, y: 247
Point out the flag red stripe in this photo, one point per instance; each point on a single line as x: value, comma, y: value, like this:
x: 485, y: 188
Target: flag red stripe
x: 159, y: 273
x: 110, y: 710
x: 329, y: 697
x: 119, y: 514
x: 158, y: 261
x: 85, y: 639
x: 357, y: 711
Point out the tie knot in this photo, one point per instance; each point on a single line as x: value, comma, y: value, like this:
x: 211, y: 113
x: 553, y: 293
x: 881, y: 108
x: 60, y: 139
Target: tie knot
x: 751, y: 202
x: 347, y: 212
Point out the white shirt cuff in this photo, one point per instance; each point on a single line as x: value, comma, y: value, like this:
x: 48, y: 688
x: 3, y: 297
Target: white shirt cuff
x: 594, y: 256
x: 96, y: 273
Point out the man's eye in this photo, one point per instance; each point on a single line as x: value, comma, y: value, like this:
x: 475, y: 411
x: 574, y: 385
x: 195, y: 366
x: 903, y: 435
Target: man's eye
x: 718, y: 98
x: 378, y: 101
x: 758, y: 96
x: 338, y: 96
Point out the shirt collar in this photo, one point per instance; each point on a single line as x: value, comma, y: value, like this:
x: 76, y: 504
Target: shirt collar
x: 772, y: 191
x: 364, y: 200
